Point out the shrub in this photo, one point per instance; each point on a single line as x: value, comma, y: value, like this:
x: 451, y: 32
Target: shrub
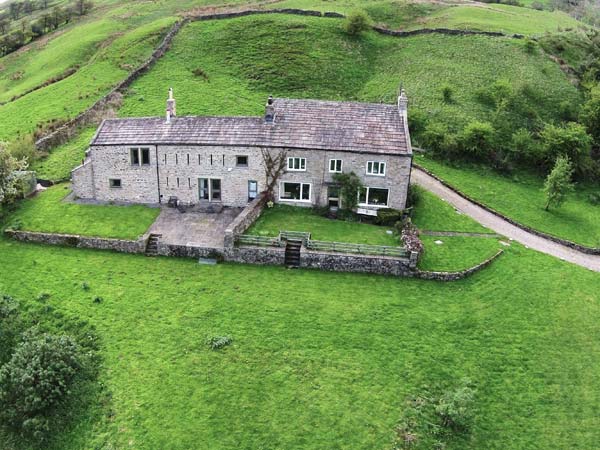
x: 537, y: 5
x: 218, y: 342
x: 414, y: 195
x: 531, y: 46
x: 36, y: 380
x: 10, y: 326
x: 524, y: 147
x: 455, y: 407
x: 389, y: 216
x: 477, y: 138
x: 594, y: 198
x: 357, y: 22
x: 438, y: 139
x: 447, y: 94
x: 569, y: 140
x: 200, y: 73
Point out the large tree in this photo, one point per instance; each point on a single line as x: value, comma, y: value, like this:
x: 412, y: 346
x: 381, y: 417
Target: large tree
x: 9, y: 183
x: 569, y: 140
x: 558, y: 184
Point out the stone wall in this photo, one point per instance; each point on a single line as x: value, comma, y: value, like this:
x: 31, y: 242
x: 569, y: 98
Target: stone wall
x: 83, y: 180
x: 244, y: 220
x: 73, y: 240
x: 337, y: 262
x: 454, y: 276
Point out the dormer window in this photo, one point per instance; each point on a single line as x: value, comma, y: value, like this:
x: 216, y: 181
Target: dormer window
x: 140, y: 156
x: 296, y: 164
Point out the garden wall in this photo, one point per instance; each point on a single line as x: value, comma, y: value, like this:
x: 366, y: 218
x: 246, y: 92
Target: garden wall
x: 73, y: 240
x: 243, y: 221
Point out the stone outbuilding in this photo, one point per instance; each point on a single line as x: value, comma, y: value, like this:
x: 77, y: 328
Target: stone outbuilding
x: 222, y: 160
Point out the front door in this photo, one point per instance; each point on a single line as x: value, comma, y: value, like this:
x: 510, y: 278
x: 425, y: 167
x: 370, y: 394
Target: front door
x: 333, y: 197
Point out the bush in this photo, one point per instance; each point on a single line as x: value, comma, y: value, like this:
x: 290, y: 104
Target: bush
x: 388, y: 217
x: 10, y: 326
x: 447, y: 94
x: 414, y: 195
x: 350, y: 184
x: 537, y: 5
x: 438, y: 139
x: 531, y: 46
x: 455, y: 407
x: 594, y: 199
x: 36, y: 380
x: 477, y: 138
x: 357, y: 22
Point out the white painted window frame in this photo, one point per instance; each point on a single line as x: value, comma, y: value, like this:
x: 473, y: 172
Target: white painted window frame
x: 301, y: 161
x: 372, y: 164
x: 367, y: 204
x: 301, y: 183
x: 334, y: 161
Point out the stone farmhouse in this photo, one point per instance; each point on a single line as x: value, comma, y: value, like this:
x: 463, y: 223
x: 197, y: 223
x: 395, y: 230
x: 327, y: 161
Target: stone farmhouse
x: 221, y: 160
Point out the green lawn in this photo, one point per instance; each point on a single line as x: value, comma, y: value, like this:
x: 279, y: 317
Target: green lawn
x: 456, y: 253
x: 434, y: 214
x: 521, y: 198
x: 48, y: 213
x: 322, y: 360
x: 294, y: 218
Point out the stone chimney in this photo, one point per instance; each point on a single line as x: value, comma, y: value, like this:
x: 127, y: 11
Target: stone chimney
x: 171, y: 106
x: 403, y: 103
x: 270, y: 110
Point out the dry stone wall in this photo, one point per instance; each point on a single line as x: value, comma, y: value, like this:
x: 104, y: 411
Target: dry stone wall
x: 72, y: 240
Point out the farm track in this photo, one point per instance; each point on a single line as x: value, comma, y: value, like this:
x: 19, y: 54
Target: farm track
x: 503, y: 227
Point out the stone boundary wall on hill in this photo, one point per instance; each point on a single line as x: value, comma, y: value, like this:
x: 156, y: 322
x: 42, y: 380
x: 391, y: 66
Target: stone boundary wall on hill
x: 566, y: 243
x: 73, y: 240
x: 243, y: 221
x: 95, y: 112
x: 92, y: 114
x: 455, y: 276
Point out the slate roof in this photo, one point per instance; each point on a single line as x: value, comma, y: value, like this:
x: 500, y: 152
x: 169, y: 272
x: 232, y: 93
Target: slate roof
x: 307, y: 124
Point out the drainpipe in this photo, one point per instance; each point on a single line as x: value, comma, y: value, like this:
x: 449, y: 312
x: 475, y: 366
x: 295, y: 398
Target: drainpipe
x: 157, y: 173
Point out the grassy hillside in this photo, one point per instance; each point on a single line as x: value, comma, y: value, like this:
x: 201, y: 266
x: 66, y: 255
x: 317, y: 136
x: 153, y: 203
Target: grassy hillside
x: 309, y: 57
x: 334, y: 354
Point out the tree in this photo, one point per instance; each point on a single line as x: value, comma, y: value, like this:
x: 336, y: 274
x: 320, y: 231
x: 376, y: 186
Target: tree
x: 357, y: 22
x: 569, y: 140
x: 350, y: 186
x: 558, y: 184
x: 4, y: 26
x: 82, y: 7
x: 23, y: 148
x: 590, y: 114
x: 8, y: 181
x: 14, y: 10
x: 38, y: 377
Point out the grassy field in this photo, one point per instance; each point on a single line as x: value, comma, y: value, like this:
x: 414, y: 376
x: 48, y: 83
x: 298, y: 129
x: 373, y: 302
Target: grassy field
x: 47, y: 212
x: 521, y: 198
x: 291, y: 218
x: 312, y: 370
x: 456, y: 252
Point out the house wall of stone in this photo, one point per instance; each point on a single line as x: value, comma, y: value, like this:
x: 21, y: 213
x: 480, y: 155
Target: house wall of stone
x: 83, y: 180
x: 138, y: 183
x: 181, y: 167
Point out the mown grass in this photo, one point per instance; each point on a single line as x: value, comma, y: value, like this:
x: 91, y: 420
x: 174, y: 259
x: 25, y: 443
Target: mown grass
x: 521, y: 198
x: 310, y: 57
x: 433, y: 214
x: 47, y: 212
x: 322, y: 360
x: 454, y: 253
x: 58, y: 164
x: 294, y: 218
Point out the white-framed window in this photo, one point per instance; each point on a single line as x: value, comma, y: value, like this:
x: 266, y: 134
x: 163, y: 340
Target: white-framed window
x: 252, y: 190
x: 376, y: 168
x: 140, y: 156
x: 115, y: 183
x: 297, y: 164
x: 292, y: 191
x: 335, y: 165
x: 372, y: 196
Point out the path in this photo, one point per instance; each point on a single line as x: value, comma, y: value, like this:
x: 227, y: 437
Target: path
x: 501, y: 226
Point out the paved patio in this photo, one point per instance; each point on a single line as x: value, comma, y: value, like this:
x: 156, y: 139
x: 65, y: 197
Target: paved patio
x: 193, y: 227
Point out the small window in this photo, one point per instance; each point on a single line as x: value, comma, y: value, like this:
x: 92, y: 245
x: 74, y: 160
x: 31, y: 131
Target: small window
x: 198, y: 159
x: 294, y: 191
x: 114, y: 183
x: 297, y: 164
x: 252, y: 190
x: 177, y: 181
x: 145, y: 156
x: 188, y: 156
x: 335, y: 165
x: 241, y: 161
x: 165, y: 159
x: 223, y: 159
x: 376, y: 168
x: 211, y: 160
x: 135, y: 156
x: 176, y: 159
